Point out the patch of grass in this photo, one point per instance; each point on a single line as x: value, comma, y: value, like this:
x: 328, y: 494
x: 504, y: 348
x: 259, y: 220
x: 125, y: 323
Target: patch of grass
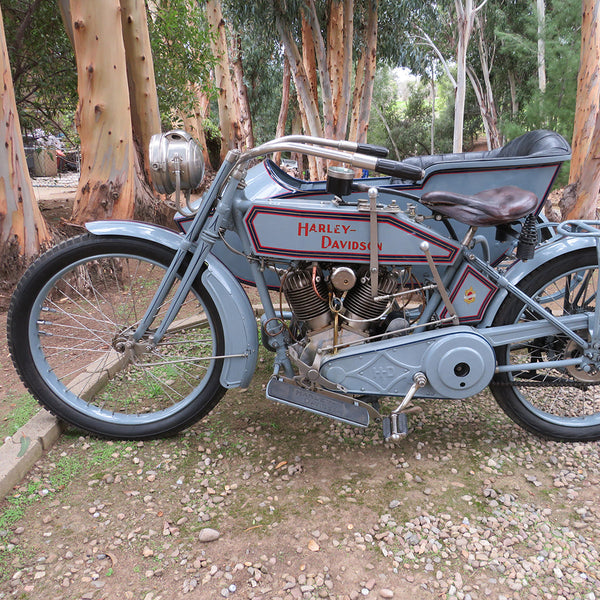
x: 17, y: 505
x: 25, y: 408
x: 8, y: 556
x: 67, y: 468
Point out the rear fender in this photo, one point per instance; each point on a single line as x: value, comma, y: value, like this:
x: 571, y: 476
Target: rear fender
x: 521, y: 269
x: 234, y: 308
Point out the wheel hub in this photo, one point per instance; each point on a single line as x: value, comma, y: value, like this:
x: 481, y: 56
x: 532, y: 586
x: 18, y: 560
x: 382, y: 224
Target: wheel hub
x: 587, y: 372
x: 131, y: 348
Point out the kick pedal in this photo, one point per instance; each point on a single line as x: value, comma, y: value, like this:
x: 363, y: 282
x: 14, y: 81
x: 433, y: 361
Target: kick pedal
x: 328, y: 404
x: 395, y: 427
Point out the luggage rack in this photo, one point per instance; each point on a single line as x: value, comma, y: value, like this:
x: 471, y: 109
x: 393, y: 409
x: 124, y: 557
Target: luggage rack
x: 579, y: 228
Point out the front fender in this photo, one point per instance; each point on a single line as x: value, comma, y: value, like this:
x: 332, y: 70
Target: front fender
x: 235, y: 311
x: 543, y: 254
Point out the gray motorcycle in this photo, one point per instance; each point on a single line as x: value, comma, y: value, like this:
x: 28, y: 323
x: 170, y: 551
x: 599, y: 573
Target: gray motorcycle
x: 435, y: 280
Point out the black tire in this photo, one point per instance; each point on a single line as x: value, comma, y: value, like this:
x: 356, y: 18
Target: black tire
x: 69, y: 330
x: 557, y: 404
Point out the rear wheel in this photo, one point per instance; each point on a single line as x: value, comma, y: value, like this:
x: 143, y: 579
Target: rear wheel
x: 562, y: 404
x: 70, y: 328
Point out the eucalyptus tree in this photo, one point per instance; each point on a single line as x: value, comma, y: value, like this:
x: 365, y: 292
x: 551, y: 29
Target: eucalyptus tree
x: 331, y: 48
x: 555, y: 107
x: 180, y: 38
x: 117, y: 110
x: 22, y: 227
x: 581, y: 201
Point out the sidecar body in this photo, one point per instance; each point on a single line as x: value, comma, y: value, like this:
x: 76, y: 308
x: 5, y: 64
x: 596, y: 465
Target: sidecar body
x: 530, y: 162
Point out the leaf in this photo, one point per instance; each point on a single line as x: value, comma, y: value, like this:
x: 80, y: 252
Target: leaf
x: 25, y: 441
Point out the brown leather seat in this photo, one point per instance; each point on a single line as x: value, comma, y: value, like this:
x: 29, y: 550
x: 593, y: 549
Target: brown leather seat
x: 490, y: 207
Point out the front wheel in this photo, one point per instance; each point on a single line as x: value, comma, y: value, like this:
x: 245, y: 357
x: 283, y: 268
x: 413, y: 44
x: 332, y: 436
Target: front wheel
x: 70, y: 330
x: 561, y: 404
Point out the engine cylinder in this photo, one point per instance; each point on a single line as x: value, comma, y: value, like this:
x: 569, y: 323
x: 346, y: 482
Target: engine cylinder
x: 309, y: 303
x: 359, y: 301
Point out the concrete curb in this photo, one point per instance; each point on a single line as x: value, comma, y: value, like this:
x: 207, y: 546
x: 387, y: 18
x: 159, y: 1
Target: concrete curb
x: 19, y: 453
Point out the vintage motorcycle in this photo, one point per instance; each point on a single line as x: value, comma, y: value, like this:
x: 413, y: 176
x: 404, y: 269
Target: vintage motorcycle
x: 433, y: 281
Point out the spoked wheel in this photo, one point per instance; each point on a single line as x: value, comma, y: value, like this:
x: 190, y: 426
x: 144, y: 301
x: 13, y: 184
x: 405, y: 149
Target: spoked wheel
x: 559, y: 404
x: 70, y: 329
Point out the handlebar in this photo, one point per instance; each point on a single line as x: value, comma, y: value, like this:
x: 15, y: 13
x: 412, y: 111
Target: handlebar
x: 363, y: 156
x: 399, y: 169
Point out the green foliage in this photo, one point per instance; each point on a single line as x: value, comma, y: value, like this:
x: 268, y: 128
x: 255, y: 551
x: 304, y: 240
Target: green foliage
x: 262, y: 58
x: 180, y: 39
x: 555, y: 108
x: 408, y: 119
x: 42, y: 64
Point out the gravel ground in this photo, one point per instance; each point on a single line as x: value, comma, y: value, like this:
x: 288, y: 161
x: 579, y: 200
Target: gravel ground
x: 262, y: 501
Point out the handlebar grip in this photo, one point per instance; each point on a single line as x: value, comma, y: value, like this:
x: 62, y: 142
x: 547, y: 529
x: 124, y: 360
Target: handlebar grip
x: 399, y: 169
x: 372, y: 150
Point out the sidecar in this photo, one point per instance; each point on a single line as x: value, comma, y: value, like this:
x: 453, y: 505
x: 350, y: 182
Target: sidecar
x: 531, y: 162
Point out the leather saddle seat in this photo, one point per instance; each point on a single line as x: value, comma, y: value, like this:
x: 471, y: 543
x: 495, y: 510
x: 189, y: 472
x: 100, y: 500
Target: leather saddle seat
x: 488, y: 208
x: 497, y: 206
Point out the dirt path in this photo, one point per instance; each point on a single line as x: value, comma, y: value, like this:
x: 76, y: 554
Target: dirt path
x: 468, y: 506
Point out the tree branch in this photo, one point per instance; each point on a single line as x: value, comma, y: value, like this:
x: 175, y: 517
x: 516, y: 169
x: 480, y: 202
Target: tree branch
x: 429, y: 42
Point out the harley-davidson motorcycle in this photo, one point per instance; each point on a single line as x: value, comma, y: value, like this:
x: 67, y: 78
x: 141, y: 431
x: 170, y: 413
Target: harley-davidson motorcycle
x: 432, y: 281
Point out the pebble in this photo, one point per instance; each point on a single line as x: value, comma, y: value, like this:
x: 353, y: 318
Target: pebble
x: 491, y: 513
x: 208, y: 535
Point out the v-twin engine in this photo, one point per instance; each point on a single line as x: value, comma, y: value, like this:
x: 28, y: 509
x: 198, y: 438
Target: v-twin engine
x: 315, y: 297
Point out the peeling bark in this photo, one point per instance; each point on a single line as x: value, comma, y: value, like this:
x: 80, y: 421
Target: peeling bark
x: 242, y: 95
x: 193, y: 122
x: 229, y: 118
x: 21, y: 223
x: 365, y: 95
x: 585, y: 164
x: 285, y: 103
x: 145, y: 116
x: 106, y: 186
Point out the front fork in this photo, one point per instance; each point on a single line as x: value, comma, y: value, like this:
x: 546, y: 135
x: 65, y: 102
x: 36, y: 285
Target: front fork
x: 200, y: 239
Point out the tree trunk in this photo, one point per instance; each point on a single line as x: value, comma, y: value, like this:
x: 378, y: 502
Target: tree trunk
x: 65, y: 13
x: 585, y: 162
x: 229, y: 119
x: 145, y: 116
x: 357, y: 93
x: 340, y: 31
x: 194, y: 122
x: 309, y: 59
x: 433, y: 98
x: 309, y: 109
x: 342, y: 110
x: 335, y: 58
x: 588, y: 88
x: 21, y: 223
x: 297, y: 130
x: 465, y: 15
x: 514, y: 103
x: 324, y: 77
x: 285, y: 104
x: 370, y: 64
x: 541, y: 51
x: 107, y: 184
x: 491, y: 110
x: 242, y: 95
